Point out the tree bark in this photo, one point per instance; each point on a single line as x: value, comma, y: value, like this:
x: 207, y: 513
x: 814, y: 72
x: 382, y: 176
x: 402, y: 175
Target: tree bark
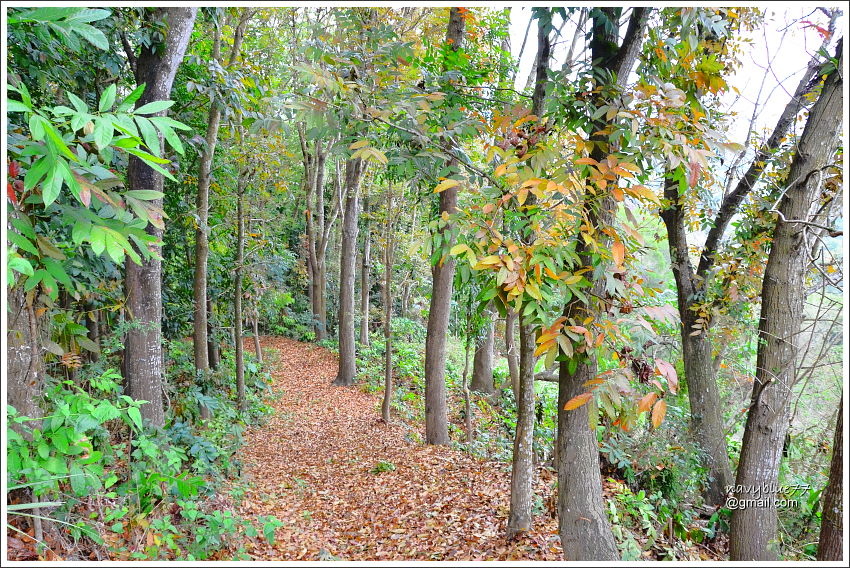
x: 347, y: 349
x: 706, y: 410
x: 754, y: 527
x: 831, y: 541
x: 258, y: 351
x: 583, y: 525
x: 241, y: 400
x: 436, y: 411
x: 156, y: 67
x: 364, y: 278
x: 522, y: 470
x: 212, y: 341
x: 24, y: 365
x: 511, y: 352
x: 482, y: 362
x: 389, y: 246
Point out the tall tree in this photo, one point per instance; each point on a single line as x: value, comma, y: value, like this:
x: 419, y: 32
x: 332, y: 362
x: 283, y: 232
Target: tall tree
x: 365, y: 285
x: 691, y: 287
x: 482, y: 362
x: 202, y: 246
x: 830, y: 543
x: 436, y: 412
x: 583, y: 524
x: 155, y: 66
x: 799, y: 225
x: 522, y: 469
x: 347, y: 259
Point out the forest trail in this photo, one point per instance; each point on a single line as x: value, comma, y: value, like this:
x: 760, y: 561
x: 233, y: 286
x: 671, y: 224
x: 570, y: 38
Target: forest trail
x: 312, y: 465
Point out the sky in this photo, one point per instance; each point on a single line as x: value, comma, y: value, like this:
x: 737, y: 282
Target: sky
x: 783, y: 41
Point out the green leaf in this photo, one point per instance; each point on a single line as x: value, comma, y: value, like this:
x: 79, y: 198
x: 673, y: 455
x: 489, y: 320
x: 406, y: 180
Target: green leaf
x: 107, y: 98
x: 55, y: 464
x: 80, y: 232
x: 169, y: 135
x: 127, y: 103
x: 153, y: 107
x: 145, y: 194
x: 51, y: 187
x: 36, y: 124
x: 22, y: 243
x: 135, y: 416
x: 37, y: 171
x: 16, y: 106
x: 57, y: 140
x: 77, y: 102
x: 87, y: 15
x: 149, y: 134
x: 92, y: 35
x: 78, y: 480
x: 105, y: 411
x: 56, y: 270
x: 115, y: 250
x: 97, y: 238
x: 102, y: 132
x: 87, y: 344
x: 19, y: 264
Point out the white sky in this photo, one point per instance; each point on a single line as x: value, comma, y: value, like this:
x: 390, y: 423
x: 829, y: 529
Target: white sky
x: 782, y: 41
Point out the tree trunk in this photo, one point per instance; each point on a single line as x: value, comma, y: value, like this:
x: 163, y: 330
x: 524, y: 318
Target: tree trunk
x: 511, y: 352
x: 347, y: 257
x: 389, y: 244
x: 754, y: 527
x: 156, y: 66
x: 522, y: 471
x: 257, y: 349
x: 436, y: 412
x: 583, y: 525
x: 706, y: 410
x: 93, y: 333
x: 241, y: 400
x: 24, y: 365
x: 364, y: 278
x: 831, y: 542
x: 212, y: 341
x: 482, y: 363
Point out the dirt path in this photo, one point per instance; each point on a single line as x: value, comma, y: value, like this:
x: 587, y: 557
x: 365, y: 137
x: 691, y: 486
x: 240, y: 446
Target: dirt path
x: 311, y: 466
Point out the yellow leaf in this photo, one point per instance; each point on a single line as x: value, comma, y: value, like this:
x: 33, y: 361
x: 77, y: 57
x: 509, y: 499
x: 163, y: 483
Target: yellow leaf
x: 617, y: 194
x: 522, y: 195
x: 643, y: 191
x: 445, y: 184
x: 572, y: 279
x: 578, y: 401
x: 543, y: 348
x: 658, y: 412
x: 500, y: 170
x: 458, y: 249
x: 359, y: 144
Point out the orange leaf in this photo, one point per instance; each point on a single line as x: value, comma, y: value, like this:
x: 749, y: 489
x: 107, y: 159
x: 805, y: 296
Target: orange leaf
x: 646, y: 402
x: 619, y: 253
x: 587, y: 161
x: 577, y: 401
x: 658, y: 412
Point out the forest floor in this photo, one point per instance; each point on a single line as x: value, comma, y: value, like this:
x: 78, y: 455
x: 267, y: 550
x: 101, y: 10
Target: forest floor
x: 316, y: 466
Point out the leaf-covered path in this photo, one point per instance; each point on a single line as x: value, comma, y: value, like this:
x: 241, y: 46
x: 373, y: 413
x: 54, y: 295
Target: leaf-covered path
x: 311, y: 466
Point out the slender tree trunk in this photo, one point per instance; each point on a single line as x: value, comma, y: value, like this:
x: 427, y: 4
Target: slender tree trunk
x: 202, y: 246
x: 364, y: 278
x: 156, y: 66
x: 482, y: 363
x: 256, y: 328
x: 347, y: 348
x: 436, y: 411
x: 753, y: 535
x: 212, y: 341
x: 241, y: 400
x: 706, y: 410
x: 24, y: 365
x: 511, y: 352
x: 522, y: 471
x: 389, y: 245
x: 93, y: 331
x: 831, y: 541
